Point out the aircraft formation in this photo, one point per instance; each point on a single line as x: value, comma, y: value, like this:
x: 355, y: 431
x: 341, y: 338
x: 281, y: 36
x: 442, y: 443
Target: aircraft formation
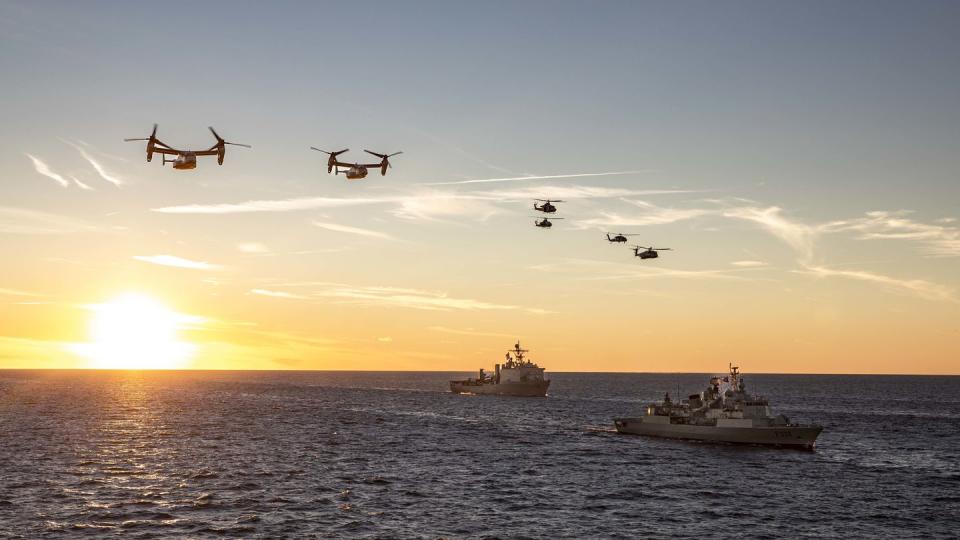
x: 187, y: 160
x: 547, y: 207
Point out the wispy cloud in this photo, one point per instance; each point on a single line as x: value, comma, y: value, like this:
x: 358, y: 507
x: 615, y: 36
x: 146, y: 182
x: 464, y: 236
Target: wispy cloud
x: 575, y: 192
x: 424, y: 203
x: 529, y: 178
x: 351, y: 230
x: 99, y: 151
x: 97, y: 166
x: 467, y: 332
x: 749, y: 264
x: 252, y: 247
x: 281, y: 205
x: 44, y: 169
x: 939, y: 240
x: 436, y: 206
x: 177, y: 262
x: 389, y: 296
x: 593, y: 270
x: 410, y: 298
x: 799, y: 236
x: 433, y: 204
x: 12, y: 292
x: 80, y: 184
x: 919, y: 287
x: 278, y: 294
x: 23, y: 221
x: 653, y: 215
x: 796, y: 234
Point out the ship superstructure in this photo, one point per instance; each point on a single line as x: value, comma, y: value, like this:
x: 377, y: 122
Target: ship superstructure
x: 724, y: 412
x: 517, y: 376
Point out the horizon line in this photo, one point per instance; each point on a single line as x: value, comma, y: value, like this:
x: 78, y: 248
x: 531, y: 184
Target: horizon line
x: 172, y: 370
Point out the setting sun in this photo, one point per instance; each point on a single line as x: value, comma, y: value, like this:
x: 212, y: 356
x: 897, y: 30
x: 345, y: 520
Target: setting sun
x: 135, y: 331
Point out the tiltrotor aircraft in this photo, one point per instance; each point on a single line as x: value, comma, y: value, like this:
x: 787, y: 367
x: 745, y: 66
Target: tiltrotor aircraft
x: 356, y: 171
x: 186, y: 159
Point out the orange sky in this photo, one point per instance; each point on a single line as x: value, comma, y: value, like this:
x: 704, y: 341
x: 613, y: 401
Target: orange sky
x: 807, y: 188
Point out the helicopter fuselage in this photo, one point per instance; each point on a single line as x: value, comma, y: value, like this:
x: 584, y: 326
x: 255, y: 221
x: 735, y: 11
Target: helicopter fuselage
x: 547, y: 208
x: 648, y: 255
x: 356, y: 172
x: 618, y: 239
x: 183, y: 162
x: 544, y: 223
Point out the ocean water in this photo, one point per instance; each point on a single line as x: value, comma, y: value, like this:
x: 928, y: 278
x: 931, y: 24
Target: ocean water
x: 393, y: 455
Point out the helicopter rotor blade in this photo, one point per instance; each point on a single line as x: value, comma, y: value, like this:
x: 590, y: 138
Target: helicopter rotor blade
x: 153, y: 136
x: 238, y: 144
x: 382, y: 156
x: 218, y: 137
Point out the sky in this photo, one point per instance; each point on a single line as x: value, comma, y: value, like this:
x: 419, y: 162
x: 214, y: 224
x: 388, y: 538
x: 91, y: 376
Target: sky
x: 799, y: 158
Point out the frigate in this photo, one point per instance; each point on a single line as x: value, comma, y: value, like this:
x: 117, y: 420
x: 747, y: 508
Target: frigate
x: 517, y: 376
x: 724, y: 412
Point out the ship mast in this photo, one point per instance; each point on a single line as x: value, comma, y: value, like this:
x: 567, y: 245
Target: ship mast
x: 518, y: 352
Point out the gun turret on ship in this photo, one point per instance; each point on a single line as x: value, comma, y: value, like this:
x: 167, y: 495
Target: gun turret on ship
x: 517, y: 376
x: 724, y: 412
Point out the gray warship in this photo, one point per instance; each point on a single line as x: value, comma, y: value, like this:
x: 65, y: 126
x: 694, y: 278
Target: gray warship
x: 724, y: 412
x: 517, y: 376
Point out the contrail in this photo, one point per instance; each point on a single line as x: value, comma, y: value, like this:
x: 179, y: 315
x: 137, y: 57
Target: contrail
x: 524, y: 178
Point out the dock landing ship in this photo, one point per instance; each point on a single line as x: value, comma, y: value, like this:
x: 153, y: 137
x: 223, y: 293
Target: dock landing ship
x: 517, y: 376
x: 724, y: 412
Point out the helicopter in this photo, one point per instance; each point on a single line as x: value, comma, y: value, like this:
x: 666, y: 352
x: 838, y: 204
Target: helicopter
x: 618, y: 238
x: 544, y: 222
x: 356, y: 171
x: 186, y: 159
x: 648, y: 253
x: 546, y: 207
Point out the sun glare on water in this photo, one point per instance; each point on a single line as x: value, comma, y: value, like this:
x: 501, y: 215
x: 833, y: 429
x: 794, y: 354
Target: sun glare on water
x: 136, y: 331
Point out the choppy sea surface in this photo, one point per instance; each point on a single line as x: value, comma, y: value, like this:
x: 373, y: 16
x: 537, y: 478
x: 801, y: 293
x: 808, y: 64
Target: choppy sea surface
x: 393, y: 455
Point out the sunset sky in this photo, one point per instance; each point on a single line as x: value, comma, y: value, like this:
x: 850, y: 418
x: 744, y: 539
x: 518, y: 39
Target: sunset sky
x: 802, y: 160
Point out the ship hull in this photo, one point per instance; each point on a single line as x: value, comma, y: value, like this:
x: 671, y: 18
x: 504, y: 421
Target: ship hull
x: 803, y: 437
x: 538, y: 389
